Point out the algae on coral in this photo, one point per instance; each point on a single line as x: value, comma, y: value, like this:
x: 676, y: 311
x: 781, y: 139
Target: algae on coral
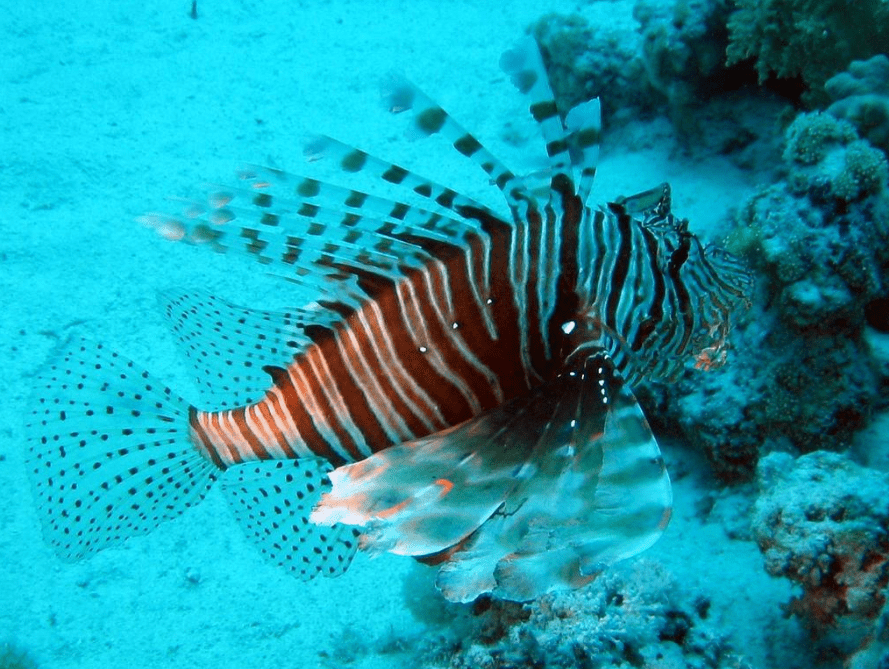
x: 806, y: 39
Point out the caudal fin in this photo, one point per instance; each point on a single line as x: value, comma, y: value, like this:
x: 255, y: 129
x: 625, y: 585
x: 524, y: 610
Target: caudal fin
x: 110, y: 456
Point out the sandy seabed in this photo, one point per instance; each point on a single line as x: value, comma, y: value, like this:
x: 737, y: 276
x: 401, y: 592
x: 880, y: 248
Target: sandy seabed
x: 106, y: 109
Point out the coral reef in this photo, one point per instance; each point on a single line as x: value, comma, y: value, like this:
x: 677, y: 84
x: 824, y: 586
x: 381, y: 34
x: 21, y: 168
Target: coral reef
x: 683, y: 50
x: 861, y: 96
x: 584, y: 63
x: 802, y: 376
x: 821, y: 521
x: 672, y: 65
x: 810, y: 40
x: 875, y: 653
x: 635, y: 615
x: 783, y: 390
x: 825, y: 157
x: 822, y: 236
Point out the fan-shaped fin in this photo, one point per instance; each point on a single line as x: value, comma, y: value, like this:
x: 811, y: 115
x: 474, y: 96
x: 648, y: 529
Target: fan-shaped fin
x: 544, y: 488
x: 229, y: 345
x: 272, y: 501
x: 608, y: 501
x: 109, y: 453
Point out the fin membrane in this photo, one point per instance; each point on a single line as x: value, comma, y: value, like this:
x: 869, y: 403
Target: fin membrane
x: 272, y: 501
x: 109, y: 452
x: 229, y: 345
x: 535, y: 495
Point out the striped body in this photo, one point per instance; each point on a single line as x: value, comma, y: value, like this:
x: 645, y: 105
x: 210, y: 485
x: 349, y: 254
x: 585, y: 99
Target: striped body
x: 456, y: 385
x: 439, y: 345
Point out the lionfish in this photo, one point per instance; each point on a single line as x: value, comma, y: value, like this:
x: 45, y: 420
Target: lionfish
x: 455, y: 388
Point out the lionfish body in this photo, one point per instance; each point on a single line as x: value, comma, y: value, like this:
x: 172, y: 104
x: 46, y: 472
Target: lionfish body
x: 457, y: 386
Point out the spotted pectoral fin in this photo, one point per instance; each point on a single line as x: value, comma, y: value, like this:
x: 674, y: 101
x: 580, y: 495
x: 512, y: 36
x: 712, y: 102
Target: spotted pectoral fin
x: 272, y: 500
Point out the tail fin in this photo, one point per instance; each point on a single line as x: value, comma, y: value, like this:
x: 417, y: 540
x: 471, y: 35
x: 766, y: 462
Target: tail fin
x: 110, y: 455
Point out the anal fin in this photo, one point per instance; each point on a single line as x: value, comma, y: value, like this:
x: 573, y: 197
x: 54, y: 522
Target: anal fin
x: 272, y: 500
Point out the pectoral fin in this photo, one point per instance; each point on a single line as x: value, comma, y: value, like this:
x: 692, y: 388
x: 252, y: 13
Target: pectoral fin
x: 535, y: 495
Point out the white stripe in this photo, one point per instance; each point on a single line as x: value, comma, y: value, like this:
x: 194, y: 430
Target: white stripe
x: 257, y: 423
x: 479, y: 295
x: 322, y: 425
x: 389, y: 360
x: 519, y: 278
x: 447, y: 325
x: 457, y: 339
x: 229, y: 428
x: 423, y: 340
x: 344, y: 416
x: 284, y: 421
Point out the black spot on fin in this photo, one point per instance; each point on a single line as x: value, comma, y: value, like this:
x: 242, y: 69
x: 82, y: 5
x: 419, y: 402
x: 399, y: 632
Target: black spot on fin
x: 109, y: 452
x: 272, y: 502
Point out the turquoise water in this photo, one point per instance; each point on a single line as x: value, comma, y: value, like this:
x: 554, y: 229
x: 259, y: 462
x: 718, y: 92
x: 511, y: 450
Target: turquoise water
x: 107, y: 110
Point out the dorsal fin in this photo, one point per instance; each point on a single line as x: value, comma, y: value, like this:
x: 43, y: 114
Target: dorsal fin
x: 229, y: 345
x: 322, y: 237
x: 428, y: 118
x: 350, y: 160
x: 524, y: 66
x: 572, y: 144
x: 584, y: 125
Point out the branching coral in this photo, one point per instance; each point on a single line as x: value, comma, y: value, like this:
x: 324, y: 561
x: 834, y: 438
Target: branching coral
x: 821, y: 521
x: 807, y: 39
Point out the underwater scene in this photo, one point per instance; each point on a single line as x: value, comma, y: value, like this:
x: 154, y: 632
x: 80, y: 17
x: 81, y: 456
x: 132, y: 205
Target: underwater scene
x: 348, y: 334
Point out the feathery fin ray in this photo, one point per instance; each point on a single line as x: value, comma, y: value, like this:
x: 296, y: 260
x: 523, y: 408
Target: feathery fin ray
x: 548, y: 471
x: 547, y: 488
